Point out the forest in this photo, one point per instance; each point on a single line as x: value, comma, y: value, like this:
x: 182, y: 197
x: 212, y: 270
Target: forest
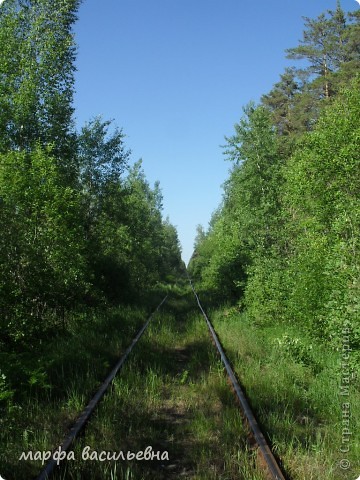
x: 284, y: 243
x: 80, y: 227
x: 85, y: 250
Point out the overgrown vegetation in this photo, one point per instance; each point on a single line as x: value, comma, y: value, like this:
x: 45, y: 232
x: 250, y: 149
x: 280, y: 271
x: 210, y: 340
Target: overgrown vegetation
x: 285, y: 241
x: 284, y: 244
x: 82, y: 230
x: 85, y: 254
x: 80, y: 227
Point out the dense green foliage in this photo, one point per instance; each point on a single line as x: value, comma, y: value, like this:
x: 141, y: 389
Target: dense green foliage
x: 84, y: 247
x: 284, y: 244
x: 80, y: 227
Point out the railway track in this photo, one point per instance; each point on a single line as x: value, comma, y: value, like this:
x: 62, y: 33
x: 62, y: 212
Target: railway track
x: 259, y: 443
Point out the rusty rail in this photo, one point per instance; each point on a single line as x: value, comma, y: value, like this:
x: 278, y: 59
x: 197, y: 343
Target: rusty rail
x: 89, y: 409
x: 264, y: 449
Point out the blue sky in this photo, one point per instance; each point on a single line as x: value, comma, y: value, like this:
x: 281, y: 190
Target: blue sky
x: 175, y: 74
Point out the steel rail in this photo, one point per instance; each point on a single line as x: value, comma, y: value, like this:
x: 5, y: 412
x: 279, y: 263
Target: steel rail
x: 265, y: 451
x: 89, y: 409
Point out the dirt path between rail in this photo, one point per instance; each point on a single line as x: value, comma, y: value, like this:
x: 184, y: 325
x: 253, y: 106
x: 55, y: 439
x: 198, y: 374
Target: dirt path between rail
x: 174, y: 418
x: 183, y: 399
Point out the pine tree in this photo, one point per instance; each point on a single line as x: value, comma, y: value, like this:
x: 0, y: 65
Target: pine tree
x: 280, y: 101
x: 325, y: 45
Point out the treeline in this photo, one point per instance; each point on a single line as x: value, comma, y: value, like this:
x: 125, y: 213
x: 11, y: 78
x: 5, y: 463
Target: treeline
x: 80, y: 227
x: 284, y: 243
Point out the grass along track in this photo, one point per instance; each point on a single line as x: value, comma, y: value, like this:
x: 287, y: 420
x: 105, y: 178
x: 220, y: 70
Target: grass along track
x: 172, y: 395
x: 55, y: 382
x: 293, y: 385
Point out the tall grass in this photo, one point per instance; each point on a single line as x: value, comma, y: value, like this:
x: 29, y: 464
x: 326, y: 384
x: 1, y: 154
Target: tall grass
x: 294, y: 386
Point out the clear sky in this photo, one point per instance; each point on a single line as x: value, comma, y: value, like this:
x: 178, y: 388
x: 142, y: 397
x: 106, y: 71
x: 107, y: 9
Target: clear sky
x: 174, y: 75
